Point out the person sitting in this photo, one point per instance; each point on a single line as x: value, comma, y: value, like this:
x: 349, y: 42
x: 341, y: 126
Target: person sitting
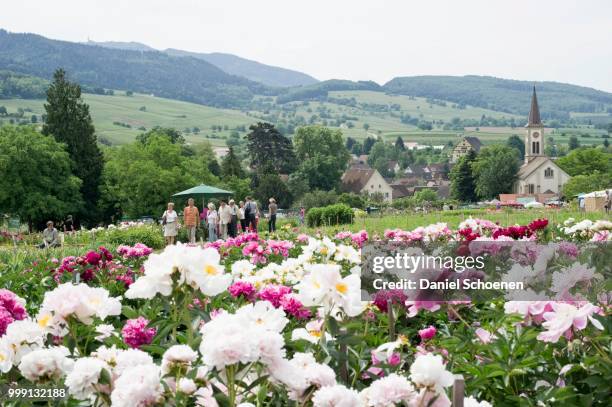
x: 50, y: 237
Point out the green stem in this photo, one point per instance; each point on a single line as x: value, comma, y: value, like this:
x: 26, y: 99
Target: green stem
x: 231, y: 385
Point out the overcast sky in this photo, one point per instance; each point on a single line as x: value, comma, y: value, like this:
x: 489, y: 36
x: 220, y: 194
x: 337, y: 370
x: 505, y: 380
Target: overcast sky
x: 558, y: 40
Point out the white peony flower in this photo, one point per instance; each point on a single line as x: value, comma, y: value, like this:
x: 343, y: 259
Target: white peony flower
x: 324, y: 286
x: 138, y: 386
x: 45, y: 364
x: 429, y: 371
x: 388, y: 391
x: 21, y: 337
x: 472, y: 402
x: 83, y: 378
x: 79, y: 301
x: 181, y: 355
x: 204, y: 271
x: 242, y: 268
x: 104, y: 331
x: 7, y: 355
x: 232, y: 338
x: 301, y: 372
x: 335, y: 396
x: 311, y: 333
x: 264, y: 314
x: 186, y: 386
x: 126, y: 359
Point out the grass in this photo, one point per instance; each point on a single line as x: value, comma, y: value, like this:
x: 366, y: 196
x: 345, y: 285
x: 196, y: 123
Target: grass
x: 409, y: 221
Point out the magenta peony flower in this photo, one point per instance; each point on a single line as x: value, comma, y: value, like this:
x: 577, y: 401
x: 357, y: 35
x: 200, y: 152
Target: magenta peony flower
x: 11, y: 309
x: 427, y: 333
x: 135, y: 332
x: 396, y: 297
x: 93, y: 258
x: 294, y: 307
x: 242, y: 288
x: 274, y: 293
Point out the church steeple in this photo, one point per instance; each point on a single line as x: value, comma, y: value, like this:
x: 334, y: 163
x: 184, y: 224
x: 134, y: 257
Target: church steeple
x: 534, y: 113
x: 534, y: 137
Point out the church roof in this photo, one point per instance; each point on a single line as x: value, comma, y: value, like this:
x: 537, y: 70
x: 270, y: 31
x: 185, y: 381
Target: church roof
x: 534, y: 164
x: 534, y: 112
x: 474, y: 142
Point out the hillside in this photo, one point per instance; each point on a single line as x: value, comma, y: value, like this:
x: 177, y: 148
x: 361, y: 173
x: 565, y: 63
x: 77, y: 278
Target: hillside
x: 253, y: 70
x: 183, y: 78
x: 232, y: 64
x: 557, y: 100
x: 129, y: 46
x: 119, y: 118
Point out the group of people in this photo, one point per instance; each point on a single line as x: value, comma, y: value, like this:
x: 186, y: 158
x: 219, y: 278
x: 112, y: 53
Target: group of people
x: 226, y: 221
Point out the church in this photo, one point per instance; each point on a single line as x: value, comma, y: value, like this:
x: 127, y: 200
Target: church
x: 539, y: 175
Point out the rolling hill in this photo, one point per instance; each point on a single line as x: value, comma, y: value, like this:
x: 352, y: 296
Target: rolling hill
x: 557, y: 100
x: 183, y: 78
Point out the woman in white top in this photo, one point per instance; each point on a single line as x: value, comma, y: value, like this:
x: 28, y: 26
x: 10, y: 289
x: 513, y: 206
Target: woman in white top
x: 212, y: 219
x: 170, y: 222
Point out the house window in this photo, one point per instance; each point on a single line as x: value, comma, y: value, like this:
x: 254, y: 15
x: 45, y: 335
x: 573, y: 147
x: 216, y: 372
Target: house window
x: 538, y: 189
x: 530, y: 189
x: 386, y: 195
x: 548, y: 173
x: 379, y: 186
x: 535, y: 147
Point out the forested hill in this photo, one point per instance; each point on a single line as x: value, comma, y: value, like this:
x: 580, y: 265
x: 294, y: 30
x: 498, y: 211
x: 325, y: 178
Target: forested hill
x: 253, y: 70
x: 505, y: 95
x: 182, y: 78
x: 229, y: 63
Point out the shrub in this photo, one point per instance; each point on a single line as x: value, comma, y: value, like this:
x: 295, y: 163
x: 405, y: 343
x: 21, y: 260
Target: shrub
x: 337, y: 214
x: 150, y: 235
x: 352, y: 200
x: 317, y: 199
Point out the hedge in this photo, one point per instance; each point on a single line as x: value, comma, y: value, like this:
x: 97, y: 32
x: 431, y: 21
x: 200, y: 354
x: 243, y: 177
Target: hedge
x: 337, y: 214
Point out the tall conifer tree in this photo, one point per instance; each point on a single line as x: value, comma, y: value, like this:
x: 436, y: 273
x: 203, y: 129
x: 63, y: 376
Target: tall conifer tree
x: 69, y: 122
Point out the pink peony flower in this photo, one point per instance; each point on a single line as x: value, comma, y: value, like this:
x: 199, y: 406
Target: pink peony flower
x: 135, y: 332
x: 565, y: 318
x: 427, y: 333
x: 11, y: 309
x: 485, y: 336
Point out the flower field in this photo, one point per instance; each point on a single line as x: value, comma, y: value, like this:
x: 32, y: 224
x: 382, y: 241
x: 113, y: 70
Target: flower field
x: 280, y: 320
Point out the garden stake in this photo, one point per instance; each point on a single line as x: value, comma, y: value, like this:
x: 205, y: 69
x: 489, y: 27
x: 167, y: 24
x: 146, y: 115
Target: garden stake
x: 344, y: 355
x: 391, y: 320
x: 458, y: 391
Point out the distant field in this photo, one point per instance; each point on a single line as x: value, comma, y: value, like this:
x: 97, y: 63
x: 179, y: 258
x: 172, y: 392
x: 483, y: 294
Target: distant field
x: 105, y: 110
x: 111, y: 114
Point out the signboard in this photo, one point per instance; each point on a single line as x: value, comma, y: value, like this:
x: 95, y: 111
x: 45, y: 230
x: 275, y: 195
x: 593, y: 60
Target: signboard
x: 14, y: 223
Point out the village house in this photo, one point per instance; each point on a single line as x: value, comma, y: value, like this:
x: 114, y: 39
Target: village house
x: 360, y: 180
x: 467, y: 144
x: 539, y: 175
